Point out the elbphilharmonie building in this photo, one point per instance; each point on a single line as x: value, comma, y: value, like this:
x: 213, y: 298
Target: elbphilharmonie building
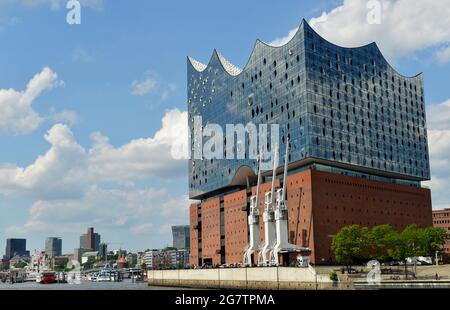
x: 357, y: 134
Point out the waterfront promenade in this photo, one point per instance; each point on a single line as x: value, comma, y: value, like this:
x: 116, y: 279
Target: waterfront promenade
x: 287, y: 278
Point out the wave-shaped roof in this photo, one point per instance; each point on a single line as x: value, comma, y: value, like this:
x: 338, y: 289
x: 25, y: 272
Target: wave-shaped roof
x: 228, y: 66
x: 197, y: 64
x: 234, y: 70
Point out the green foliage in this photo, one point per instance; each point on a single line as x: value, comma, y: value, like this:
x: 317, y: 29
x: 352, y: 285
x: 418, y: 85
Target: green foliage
x: 169, y: 248
x: 382, y: 242
x: 354, y: 243
x: 4, y: 267
x: 20, y: 265
x: 408, y: 243
x: 351, y: 244
x: 90, y: 262
x: 433, y: 240
x: 60, y: 267
x: 333, y: 276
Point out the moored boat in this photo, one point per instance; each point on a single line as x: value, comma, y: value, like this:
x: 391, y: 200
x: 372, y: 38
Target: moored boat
x: 46, y: 277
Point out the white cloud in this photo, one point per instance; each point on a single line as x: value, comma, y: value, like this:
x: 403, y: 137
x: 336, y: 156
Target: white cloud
x: 443, y: 55
x: 74, y: 187
x: 152, y: 85
x: 138, y: 211
x: 438, y: 118
x: 165, y: 229
x: 140, y: 88
x: 283, y: 40
x: 142, y: 229
x: 16, y: 112
x: 67, y: 117
x: 67, y: 169
x: 438, y: 115
x: 406, y: 26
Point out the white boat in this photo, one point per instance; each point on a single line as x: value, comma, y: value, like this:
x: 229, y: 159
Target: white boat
x: 92, y: 277
x: 32, y: 276
x: 107, y: 274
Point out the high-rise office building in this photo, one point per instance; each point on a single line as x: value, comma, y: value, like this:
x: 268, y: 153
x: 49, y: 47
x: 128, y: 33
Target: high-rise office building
x: 16, y: 247
x: 181, y: 238
x: 91, y: 240
x: 53, y: 246
x: 358, y: 144
x: 103, y: 250
x: 83, y: 244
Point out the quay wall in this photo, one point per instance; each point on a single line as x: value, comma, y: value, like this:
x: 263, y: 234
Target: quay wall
x: 273, y: 278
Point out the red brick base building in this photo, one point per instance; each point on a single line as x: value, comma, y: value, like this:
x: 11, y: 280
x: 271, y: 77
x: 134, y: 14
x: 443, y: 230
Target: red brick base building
x: 320, y: 203
x: 441, y: 218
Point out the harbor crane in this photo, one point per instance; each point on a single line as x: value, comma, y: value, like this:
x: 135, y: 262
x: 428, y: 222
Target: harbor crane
x: 281, y: 219
x: 253, y: 220
x: 269, y: 218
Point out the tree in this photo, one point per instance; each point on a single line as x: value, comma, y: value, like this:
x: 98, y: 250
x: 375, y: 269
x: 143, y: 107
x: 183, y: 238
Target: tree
x: 355, y: 243
x: 409, y: 243
x: 169, y: 248
x: 90, y: 262
x: 334, y: 277
x: 433, y: 239
x: 4, y: 267
x: 20, y: 265
x: 382, y: 240
x: 351, y: 244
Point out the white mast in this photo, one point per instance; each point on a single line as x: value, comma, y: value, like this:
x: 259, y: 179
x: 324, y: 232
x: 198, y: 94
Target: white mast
x: 268, y: 217
x: 253, y: 220
x: 281, y: 218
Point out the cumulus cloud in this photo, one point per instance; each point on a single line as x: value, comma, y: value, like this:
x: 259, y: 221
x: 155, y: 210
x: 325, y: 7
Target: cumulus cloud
x: 139, y: 211
x: 142, y: 229
x: 150, y: 84
x: 405, y: 26
x: 16, y: 111
x: 283, y: 40
x: 74, y: 187
x: 140, y: 88
x: 67, y: 168
x: 438, y: 117
x: 443, y: 54
x: 68, y: 117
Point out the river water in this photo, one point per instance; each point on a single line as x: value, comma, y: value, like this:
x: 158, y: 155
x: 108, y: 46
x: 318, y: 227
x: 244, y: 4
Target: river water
x: 85, y: 285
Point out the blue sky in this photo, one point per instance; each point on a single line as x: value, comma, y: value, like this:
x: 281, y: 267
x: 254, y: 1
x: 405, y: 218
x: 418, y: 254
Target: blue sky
x: 85, y: 149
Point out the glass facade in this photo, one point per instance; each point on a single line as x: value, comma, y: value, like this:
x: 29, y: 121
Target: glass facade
x: 181, y: 237
x: 338, y: 106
